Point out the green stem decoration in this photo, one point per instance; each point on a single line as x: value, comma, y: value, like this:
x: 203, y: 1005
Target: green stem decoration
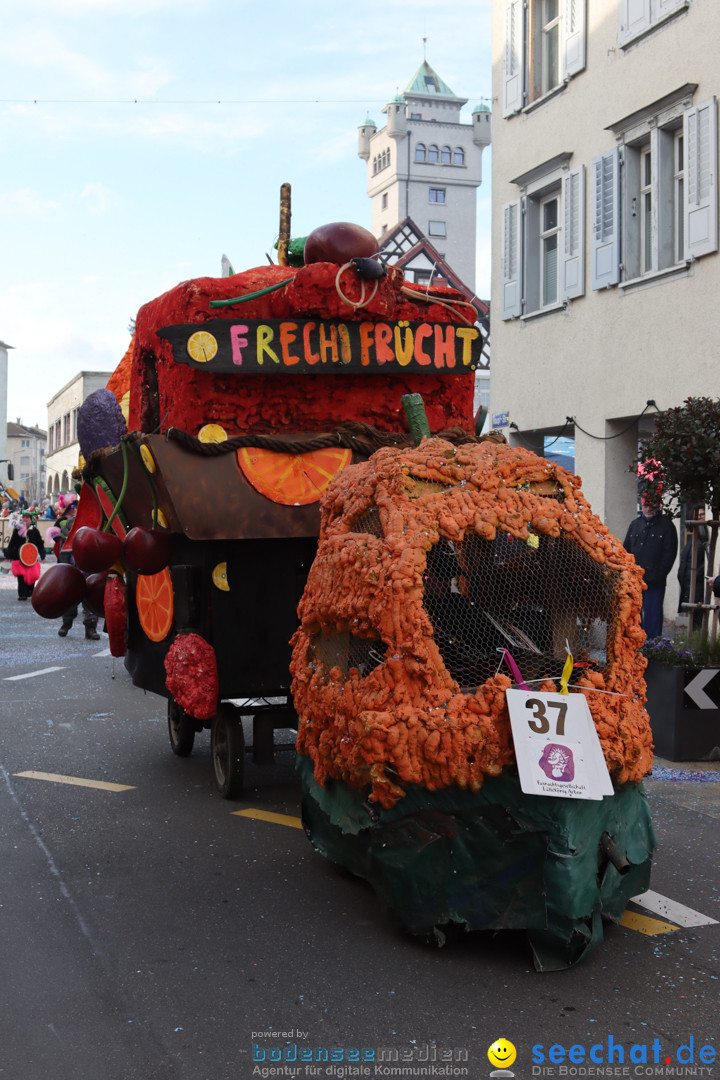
x: 123, y: 489
x: 250, y: 295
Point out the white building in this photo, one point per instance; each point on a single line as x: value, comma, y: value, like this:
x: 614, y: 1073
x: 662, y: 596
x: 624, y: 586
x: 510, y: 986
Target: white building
x: 4, y: 457
x: 427, y: 166
x: 605, y: 237
x: 63, y: 449
x: 26, y: 452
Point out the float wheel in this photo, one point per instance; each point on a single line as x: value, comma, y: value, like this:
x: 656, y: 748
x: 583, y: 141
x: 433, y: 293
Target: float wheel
x: 227, y: 749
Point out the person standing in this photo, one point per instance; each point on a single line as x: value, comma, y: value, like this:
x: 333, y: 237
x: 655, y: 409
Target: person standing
x: 66, y: 523
x: 652, y: 539
x: 25, y: 563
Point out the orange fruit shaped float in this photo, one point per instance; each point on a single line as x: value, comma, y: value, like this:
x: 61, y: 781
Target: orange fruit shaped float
x: 431, y: 562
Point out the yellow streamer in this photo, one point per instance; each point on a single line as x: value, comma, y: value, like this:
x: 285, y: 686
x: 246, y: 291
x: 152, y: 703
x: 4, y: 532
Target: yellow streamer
x: 567, y: 672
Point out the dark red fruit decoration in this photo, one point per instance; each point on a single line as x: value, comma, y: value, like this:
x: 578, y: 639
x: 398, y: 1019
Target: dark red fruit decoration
x: 94, y: 550
x: 339, y: 242
x: 147, y: 551
x: 60, y: 589
x: 95, y: 593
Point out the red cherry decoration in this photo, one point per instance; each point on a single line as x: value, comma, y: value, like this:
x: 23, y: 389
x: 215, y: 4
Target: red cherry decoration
x: 95, y: 593
x: 94, y: 550
x: 339, y: 242
x: 60, y: 589
x: 147, y: 551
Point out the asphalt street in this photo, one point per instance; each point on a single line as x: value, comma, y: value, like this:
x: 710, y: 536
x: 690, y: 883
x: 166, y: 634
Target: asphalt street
x: 149, y: 931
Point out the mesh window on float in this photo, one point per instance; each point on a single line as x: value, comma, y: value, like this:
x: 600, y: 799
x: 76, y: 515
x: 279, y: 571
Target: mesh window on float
x: 532, y: 599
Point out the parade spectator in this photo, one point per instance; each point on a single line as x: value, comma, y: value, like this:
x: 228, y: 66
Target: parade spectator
x: 25, y: 563
x: 652, y: 539
x: 89, y: 618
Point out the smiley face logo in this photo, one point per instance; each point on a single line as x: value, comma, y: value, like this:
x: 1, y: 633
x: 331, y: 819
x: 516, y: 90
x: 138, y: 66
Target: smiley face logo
x: 502, y: 1053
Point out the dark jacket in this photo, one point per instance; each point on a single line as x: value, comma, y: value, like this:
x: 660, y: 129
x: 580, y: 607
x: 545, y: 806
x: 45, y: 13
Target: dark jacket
x: 654, y: 543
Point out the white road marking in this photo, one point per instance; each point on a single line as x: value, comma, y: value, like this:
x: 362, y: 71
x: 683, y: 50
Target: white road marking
x: 105, y: 652
x: 32, y: 674
x: 671, y: 909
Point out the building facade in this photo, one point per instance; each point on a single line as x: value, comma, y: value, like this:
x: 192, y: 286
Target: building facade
x: 26, y: 452
x: 427, y: 166
x: 605, y: 226
x: 63, y: 449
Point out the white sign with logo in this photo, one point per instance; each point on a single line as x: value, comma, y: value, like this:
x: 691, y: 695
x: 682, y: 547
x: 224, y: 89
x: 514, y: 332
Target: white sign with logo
x: 557, y: 748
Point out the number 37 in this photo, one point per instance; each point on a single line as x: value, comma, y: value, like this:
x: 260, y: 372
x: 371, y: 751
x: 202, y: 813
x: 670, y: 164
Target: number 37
x: 540, y: 723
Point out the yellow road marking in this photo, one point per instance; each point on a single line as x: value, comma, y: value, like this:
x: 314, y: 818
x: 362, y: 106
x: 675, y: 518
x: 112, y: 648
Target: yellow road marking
x: 77, y: 781
x: 268, y: 815
x: 644, y: 924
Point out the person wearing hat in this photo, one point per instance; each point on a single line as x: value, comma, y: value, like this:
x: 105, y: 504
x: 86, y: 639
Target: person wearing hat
x: 26, y: 549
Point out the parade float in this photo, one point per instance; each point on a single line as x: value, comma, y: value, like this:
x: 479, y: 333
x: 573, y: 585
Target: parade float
x: 465, y: 667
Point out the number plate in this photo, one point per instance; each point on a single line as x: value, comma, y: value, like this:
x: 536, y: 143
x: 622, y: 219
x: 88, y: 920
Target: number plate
x: 557, y: 748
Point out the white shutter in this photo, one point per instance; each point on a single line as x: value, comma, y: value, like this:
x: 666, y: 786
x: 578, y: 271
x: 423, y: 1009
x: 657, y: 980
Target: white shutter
x: 511, y: 301
x: 513, y: 58
x: 634, y: 18
x: 573, y: 259
x: 667, y: 7
x: 573, y: 23
x: 701, y: 187
x: 606, y: 219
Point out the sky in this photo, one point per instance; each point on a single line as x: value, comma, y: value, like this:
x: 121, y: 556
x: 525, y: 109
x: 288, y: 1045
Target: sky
x: 140, y: 140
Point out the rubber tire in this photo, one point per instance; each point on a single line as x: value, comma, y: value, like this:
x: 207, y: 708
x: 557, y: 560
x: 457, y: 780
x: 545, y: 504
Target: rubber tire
x: 181, y: 730
x: 227, y: 749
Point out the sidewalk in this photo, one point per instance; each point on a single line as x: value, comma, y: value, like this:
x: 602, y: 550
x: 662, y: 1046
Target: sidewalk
x: 690, y: 784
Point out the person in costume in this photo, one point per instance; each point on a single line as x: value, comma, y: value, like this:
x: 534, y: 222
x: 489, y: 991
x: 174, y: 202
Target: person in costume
x: 25, y: 563
x: 89, y: 618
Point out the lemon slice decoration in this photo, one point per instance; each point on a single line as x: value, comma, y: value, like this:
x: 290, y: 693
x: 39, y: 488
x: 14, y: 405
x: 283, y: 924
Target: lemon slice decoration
x: 212, y: 433
x: 219, y: 576
x: 202, y: 346
x: 148, y: 459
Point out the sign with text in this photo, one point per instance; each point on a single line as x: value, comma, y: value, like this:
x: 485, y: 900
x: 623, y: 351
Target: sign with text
x: 325, y: 347
x: 557, y: 748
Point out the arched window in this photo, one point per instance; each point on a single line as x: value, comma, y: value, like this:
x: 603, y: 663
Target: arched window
x: 459, y: 156
x: 65, y: 483
x: 433, y: 153
x: 50, y: 485
x: 446, y: 156
x: 420, y: 152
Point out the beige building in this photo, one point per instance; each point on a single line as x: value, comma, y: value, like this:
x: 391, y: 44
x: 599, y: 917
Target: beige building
x: 26, y: 452
x: 63, y: 449
x: 605, y: 226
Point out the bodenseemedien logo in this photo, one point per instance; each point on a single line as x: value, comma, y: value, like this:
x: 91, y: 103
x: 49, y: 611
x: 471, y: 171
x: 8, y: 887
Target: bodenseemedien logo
x: 502, y: 1054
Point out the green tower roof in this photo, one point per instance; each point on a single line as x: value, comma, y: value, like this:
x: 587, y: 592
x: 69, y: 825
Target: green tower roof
x: 427, y: 82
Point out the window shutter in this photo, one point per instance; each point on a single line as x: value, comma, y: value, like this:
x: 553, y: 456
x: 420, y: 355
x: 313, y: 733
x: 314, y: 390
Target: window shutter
x: 511, y: 302
x: 634, y: 18
x: 606, y: 219
x: 701, y: 188
x: 572, y: 282
x: 666, y: 7
x: 573, y: 37
x: 513, y: 58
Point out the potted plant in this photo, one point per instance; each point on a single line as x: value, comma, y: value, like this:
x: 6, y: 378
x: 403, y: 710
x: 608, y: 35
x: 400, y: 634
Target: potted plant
x: 679, y: 465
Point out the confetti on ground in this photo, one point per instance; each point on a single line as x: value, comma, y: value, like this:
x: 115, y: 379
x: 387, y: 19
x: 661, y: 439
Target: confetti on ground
x: 676, y: 775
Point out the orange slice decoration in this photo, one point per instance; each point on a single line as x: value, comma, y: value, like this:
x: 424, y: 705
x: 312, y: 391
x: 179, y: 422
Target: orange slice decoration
x: 292, y: 479
x: 154, y: 600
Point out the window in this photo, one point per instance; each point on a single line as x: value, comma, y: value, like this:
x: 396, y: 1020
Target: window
x: 422, y: 277
x: 437, y: 195
x: 433, y: 154
x: 637, y: 17
x: 415, y: 116
x: 458, y: 156
x: 384, y: 201
x: 25, y: 460
x: 66, y: 428
x: 544, y: 47
x: 543, y: 231
x: 655, y: 195
x: 420, y: 152
x: 436, y: 228
x: 50, y: 440
x: 446, y: 156
x: 24, y: 442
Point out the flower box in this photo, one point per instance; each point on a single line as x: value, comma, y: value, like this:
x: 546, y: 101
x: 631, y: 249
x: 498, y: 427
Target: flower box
x: 684, y: 708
